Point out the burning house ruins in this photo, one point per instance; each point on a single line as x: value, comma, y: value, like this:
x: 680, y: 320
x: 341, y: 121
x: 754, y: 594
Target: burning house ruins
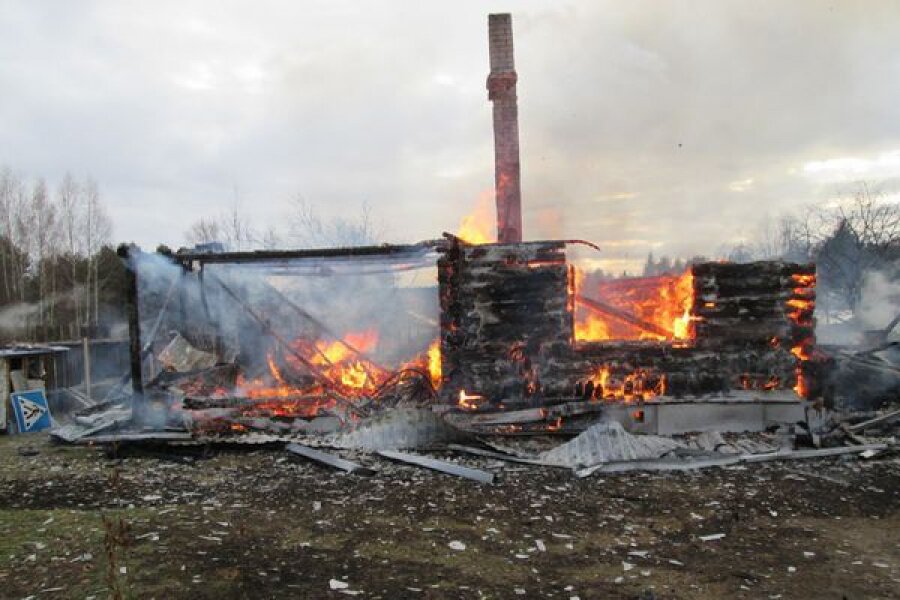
x: 471, y: 339
x: 497, y: 338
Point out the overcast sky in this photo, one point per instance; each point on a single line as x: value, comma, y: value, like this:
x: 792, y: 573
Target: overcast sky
x: 676, y: 126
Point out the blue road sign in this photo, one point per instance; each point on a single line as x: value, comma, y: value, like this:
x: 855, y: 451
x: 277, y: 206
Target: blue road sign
x: 31, y: 410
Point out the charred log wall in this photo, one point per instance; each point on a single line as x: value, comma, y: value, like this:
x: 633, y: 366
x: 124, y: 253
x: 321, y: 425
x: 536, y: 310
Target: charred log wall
x: 504, y: 312
x: 746, y: 305
x: 752, y: 327
x: 506, y: 330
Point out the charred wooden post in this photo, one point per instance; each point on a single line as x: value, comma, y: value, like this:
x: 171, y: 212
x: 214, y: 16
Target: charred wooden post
x: 128, y: 253
x: 450, y: 268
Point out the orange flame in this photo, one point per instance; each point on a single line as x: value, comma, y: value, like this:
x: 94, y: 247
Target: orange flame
x: 339, y: 350
x: 665, y: 302
x: 469, y: 401
x: 476, y: 228
x: 434, y: 363
x: 802, y: 306
x: 638, y: 385
x: 354, y: 376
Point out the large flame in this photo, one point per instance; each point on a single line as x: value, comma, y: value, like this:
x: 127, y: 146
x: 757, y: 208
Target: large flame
x: 663, y: 302
x: 477, y: 227
x: 289, y: 390
x: 434, y: 363
x: 331, y: 353
x: 340, y: 361
x: 801, y: 308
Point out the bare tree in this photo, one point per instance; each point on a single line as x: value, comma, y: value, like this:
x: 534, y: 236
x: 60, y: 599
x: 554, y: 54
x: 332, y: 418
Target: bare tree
x: 14, y: 257
x: 231, y: 228
x: 69, y: 200
x: 269, y: 239
x: 97, y: 229
x: 50, y: 247
x: 46, y: 228
x: 308, y: 229
x: 238, y: 233
x: 203, y: 231
x: 864, y: 236
x: 858, y: 234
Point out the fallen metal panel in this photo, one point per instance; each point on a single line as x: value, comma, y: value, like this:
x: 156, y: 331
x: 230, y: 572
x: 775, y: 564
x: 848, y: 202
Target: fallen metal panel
x: 329, y: 460
x: 499, y: 455
x: 439, y: 465
x: 148, y: 436
x: 74, y: 432
x: 607, y: 442
x: 817, y: 453
x: 737, y: 414
x: 685, y: 465
x: 657, y: 465
x: 396, y: 429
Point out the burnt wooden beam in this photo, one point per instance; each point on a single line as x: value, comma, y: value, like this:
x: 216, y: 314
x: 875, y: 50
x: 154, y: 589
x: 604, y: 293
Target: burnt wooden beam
x: 132, y: 313
x: 263, y: 256
x: 612, y: 311
x: 246, y: 402
x: 328, y: 331
x: 267, y: 328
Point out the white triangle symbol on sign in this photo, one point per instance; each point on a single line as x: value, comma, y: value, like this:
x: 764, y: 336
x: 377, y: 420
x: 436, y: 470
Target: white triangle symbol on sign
x: 31, y: 412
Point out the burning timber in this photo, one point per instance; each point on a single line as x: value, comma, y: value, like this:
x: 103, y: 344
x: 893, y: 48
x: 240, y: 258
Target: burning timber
x: 493, y: 339
x: 515, y: 333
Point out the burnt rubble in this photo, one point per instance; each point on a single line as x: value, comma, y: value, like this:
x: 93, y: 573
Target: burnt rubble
x: 330, y: 349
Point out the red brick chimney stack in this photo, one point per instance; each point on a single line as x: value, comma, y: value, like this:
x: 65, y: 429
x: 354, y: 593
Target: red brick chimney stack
x: 501, y: 85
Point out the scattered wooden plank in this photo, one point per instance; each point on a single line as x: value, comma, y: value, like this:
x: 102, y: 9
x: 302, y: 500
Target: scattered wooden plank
x: 439, y: 465
x: 329, y: 460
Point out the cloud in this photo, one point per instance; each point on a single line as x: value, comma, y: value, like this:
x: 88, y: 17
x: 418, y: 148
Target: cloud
x: 638, y: 121
x: 850, y: 168
x: 741, y: 185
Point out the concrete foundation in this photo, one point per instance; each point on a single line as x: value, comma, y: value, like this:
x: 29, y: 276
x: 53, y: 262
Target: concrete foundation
x: 738, y: 412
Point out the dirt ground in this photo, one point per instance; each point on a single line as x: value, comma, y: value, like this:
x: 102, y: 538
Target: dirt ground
x: 256, y: 523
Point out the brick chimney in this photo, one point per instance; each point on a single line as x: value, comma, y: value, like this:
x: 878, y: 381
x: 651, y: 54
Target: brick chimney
x: 501, y: 85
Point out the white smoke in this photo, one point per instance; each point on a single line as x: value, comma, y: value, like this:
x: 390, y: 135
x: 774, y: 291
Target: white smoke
x: 15, y: 319
x: 879, y: 301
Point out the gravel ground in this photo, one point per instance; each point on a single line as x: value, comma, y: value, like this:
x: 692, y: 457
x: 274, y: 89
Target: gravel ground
x: 258, y: 523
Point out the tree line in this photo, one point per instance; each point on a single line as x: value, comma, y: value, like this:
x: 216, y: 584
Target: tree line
x: 848, y: 239
x: 59, y: 276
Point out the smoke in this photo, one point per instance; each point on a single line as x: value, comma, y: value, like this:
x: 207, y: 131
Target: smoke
x: 879, y: 302
x: 878, y: 305
x: 17, y: 319
x: 247, y: 312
